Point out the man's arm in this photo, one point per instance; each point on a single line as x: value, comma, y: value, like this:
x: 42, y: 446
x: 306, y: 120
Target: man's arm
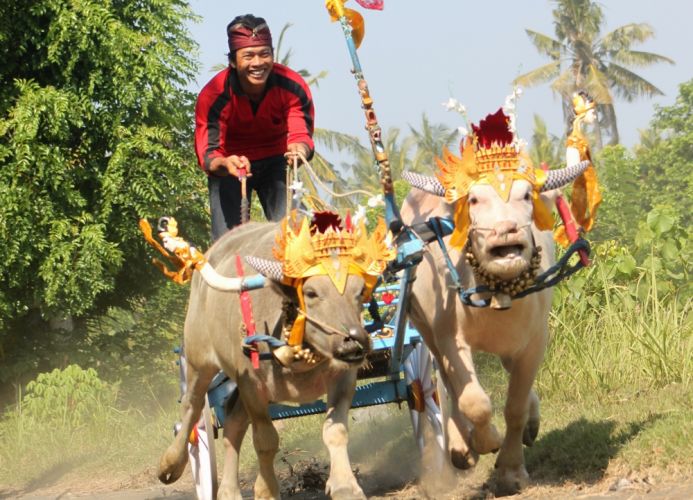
x: 229, y: 165
x: 211, y: 114
x: 300, y: 118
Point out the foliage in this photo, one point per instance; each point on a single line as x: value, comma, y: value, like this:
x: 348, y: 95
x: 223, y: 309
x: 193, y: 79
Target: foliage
x: 625, y: 322
x: 70, y: 422
x: 584, y: 59
x: 94, y: 133
x: 622, y: 203
x: 657, y: 175
x: 66, y: 397
x: 430, y: 141
x: 545, y: 147
x: 665, y: 166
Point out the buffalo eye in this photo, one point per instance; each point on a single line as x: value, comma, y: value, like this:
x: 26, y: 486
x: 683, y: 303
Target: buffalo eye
x: 473, y: 200
x: 310, y: 294
x: 527, y: 196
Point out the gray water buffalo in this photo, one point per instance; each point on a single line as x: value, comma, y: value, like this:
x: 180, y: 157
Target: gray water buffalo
x: 498, y: 245
x: 334, y: 345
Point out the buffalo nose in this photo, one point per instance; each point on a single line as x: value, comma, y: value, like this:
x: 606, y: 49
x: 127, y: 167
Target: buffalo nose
x: 359, y: 335
x: 505, y: 227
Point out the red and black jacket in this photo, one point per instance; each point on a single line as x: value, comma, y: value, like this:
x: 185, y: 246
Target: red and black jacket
x: 225, y: 123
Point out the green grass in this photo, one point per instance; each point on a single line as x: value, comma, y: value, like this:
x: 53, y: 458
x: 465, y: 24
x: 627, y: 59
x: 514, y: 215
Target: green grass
x: 620, y: 347
x: 112, y: 440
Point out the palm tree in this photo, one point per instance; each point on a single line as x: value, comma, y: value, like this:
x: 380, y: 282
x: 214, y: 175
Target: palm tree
x: 363, y: 169
x: 583, y: 59
x: 545, y: 147
x: 429, y: 141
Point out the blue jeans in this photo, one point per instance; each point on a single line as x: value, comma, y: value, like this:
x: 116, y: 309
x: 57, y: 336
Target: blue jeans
x: 268, y: 181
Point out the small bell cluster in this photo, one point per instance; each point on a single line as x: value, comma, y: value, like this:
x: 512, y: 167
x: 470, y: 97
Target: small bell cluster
x: 510, y: 287
x: 300, y: 352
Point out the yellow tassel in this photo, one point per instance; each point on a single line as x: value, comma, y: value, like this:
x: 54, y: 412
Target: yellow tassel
x: 586, y: 198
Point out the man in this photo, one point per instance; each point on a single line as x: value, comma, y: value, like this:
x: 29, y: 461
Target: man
x: 254, y: 115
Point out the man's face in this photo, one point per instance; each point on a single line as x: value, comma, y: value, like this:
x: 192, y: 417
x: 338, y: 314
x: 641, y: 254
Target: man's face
x: 254, y: 65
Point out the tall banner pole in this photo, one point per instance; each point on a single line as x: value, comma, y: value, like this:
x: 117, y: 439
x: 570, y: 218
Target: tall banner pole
x: 392, y: 214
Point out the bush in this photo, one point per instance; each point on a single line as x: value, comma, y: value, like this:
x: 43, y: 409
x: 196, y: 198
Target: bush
x: 66, y: 398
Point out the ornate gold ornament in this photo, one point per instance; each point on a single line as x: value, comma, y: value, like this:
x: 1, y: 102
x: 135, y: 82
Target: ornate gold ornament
x: 322, y: 246
x: 490, y: 155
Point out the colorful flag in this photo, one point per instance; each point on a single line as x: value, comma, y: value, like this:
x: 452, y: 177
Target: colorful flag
x: 371, y: 4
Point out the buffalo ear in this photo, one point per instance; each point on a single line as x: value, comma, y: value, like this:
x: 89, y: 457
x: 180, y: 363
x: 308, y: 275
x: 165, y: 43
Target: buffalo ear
x: 424, y: 182
x: 271, y: 269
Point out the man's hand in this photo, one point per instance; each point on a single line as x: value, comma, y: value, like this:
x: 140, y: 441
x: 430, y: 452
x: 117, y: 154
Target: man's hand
x: 294, y: 150
x: 230, y: 165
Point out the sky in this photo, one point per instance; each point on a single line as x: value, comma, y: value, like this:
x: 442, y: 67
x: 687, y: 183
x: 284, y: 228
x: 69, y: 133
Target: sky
x: 417, y: 54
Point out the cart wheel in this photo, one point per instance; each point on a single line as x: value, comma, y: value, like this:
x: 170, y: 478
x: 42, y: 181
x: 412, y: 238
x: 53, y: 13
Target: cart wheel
x: 442, y: 400
x: 423, y: 397
x: 203, y: 462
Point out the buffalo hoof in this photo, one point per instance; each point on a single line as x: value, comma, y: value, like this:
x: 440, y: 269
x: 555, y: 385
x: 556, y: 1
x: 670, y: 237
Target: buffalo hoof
x: 487, y: 441
x: 462, y: 460
x: 349, y: 491
x: 529, y: 435
x: 511, y: 481
x: 169, y: 473
x: 347, y: 494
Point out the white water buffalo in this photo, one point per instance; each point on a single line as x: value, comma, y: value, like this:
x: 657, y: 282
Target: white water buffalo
x: 500, y: 250
x: 213, y: 342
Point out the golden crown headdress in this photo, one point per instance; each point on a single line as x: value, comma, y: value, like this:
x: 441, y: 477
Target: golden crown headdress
x: 490, y: 155
x: 324, y: 246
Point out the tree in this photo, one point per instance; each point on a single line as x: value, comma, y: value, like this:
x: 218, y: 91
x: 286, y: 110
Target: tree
x: 95, y: 132
x: 665, y: 165
x: 546, y: 147
x: 656, y: 176
x: 429, y: 142
x: 583, y: 59
x: 363, y: 169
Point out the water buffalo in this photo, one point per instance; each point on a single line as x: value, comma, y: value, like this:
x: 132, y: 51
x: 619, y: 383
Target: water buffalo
x: 334, y: 345
x: 498, y: 247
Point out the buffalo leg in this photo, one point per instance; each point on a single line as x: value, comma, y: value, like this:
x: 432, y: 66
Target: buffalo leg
x: 173, y: 460
x: 265, y: 437
x: 469, y: 397
x: 235, y: 426
x: 335, y: 435
x: 531, y: 430
x: 511, y: 473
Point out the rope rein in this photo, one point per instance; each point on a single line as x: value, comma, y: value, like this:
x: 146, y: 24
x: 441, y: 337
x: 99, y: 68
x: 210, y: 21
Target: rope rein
x: 316, y: 179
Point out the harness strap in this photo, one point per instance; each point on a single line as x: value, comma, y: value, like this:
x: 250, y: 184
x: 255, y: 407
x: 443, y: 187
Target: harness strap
x: 465, y: 295
x: 250, y: 348
x: 247, y: 313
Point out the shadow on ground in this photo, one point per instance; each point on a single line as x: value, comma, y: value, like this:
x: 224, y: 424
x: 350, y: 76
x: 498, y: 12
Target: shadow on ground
x: 581, y: 451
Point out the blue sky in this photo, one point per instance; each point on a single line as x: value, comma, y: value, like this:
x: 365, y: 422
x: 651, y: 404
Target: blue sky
x: 416, y: 54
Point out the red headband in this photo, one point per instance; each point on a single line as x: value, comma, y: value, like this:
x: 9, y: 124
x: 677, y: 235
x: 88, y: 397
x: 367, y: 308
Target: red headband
x: 241, y: 36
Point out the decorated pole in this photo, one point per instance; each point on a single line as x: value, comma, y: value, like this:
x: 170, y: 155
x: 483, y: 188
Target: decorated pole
x: 245, y: 205
x: 346, y: 18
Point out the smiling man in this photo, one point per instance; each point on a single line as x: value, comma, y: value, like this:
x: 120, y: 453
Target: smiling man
x: 255, y: 115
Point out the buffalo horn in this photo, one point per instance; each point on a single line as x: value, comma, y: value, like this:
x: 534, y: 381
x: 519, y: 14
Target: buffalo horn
x: 562, y: 176
x: 424, y: 182
x: 271, y: 269
x: 226, y: 284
